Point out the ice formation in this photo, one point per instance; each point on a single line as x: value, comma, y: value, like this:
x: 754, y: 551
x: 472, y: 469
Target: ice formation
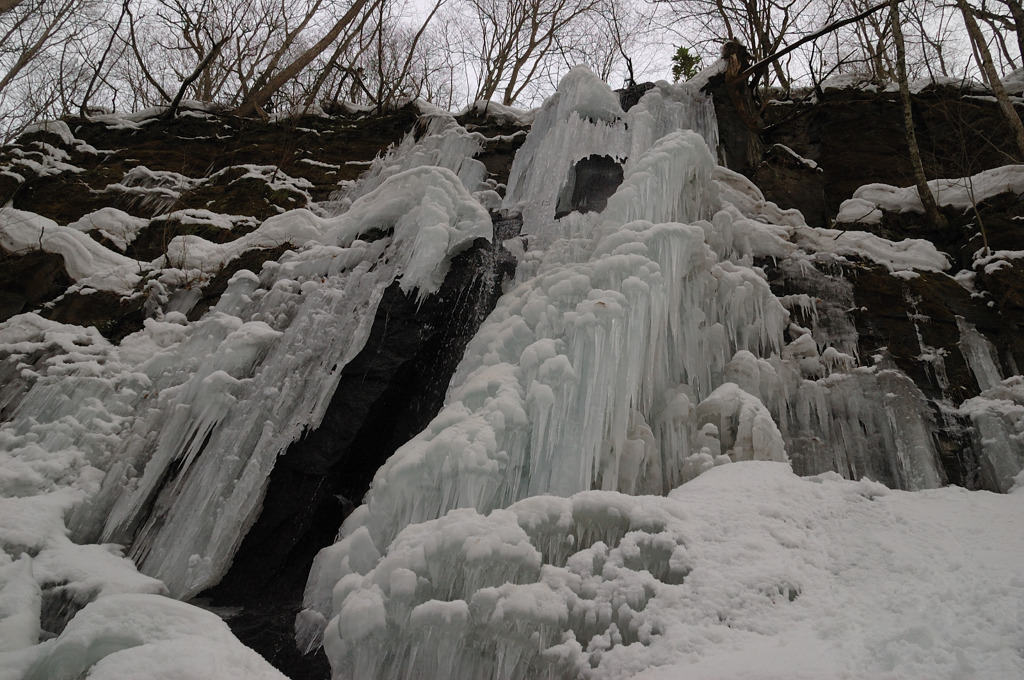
x: 608, y: 485
x: 131, y: 443
x: 640, y: 348
x: 746, y: 571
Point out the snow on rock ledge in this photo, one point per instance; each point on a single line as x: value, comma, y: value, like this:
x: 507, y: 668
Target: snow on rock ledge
x: 869, y: 200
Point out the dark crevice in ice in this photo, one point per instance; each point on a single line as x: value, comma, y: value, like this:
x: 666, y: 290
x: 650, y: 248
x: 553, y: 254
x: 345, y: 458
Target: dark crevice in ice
x: 589, y: 185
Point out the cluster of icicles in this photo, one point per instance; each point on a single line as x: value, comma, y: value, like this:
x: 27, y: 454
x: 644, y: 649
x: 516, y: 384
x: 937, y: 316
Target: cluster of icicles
x: 639, y: 347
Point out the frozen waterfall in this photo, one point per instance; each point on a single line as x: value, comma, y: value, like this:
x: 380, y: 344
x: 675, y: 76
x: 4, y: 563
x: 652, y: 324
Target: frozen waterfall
x: 640, y: 347
x: 575, y: 509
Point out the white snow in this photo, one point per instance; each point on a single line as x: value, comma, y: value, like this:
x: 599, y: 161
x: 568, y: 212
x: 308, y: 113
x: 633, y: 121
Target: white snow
x: 807, y: 162
x: 111, y: 223
x: 501, y: 113
x: 86, y: 260
x: 960, y: 193
x: 142, y: 636
x: 1013, y: 82
x: 700, y: 80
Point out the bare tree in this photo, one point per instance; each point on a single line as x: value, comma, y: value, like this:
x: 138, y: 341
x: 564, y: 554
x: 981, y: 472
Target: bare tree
x: 931, y: 209
x: 255, y: 100
x: 984, y: 57
x: 44, y: 48
x: 30, y: 33
x: 390, y: 58
x: 514, y: 40
x: 763, y: 26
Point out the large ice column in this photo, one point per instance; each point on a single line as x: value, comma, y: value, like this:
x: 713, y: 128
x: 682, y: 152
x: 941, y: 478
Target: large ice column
x: 559, y: 389
x: 583, y: 118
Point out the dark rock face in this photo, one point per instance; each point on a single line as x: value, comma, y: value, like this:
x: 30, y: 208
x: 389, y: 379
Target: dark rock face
x: 208, y: 151
x: 387, y: 394
x: 591, y: 182
x: 857, y: 137
x: 27, y: 281
x: 631, y: 95
x: 740, y: 142
x: 918, y: 324
x: 788, y: 180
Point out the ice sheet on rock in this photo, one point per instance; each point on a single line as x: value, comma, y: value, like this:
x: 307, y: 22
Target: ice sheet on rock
x: 998, y: 417
x: 730, y: 567
x: 981, y: 355
x: 256, y: 385
x: 157, y: 189
x: 430, y: 213
x: 437, y: 141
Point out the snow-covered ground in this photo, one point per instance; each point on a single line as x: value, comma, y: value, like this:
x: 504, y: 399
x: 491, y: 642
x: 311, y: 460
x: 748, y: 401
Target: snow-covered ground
x: 826, y: 578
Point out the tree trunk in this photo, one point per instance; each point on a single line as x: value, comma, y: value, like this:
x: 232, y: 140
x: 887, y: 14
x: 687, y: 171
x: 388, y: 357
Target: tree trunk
x: 931, y: 209
x: 172, y: 110
x: 84, y: 108
x: 256, y: 100
x: 984, y: 57
x: 1017, y: 12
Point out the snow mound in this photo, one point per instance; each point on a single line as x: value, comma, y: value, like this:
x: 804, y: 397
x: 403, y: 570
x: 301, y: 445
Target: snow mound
x: 146, y: 636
